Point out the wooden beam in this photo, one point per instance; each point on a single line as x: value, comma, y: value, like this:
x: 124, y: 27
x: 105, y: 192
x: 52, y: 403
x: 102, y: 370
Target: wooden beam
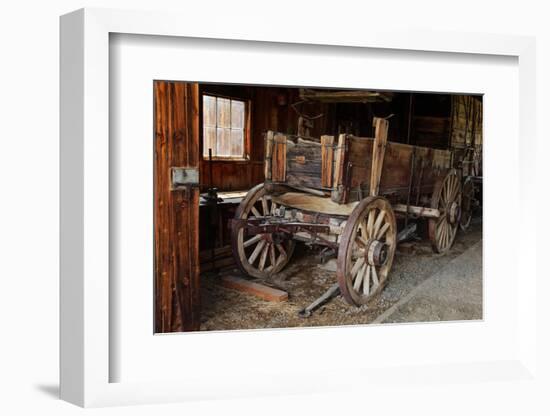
x: 327, y: 160
x: 358, y: 96
x: 420, y: 211
x: 379, y: 148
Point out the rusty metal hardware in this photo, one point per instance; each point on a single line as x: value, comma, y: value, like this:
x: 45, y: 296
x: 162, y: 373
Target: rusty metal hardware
x: 183, y: 177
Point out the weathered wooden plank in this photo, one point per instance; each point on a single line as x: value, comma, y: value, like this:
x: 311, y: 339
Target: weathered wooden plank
x: 304, y: 163
x: 314, y: 203
x: 327, y: 152
x: 278, y: 159
x: 420, y: 211
x: 339, y: 168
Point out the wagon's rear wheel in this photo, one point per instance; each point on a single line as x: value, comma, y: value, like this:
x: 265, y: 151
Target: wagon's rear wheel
x: 259, y: 255
x: 447, y: 199
x: 468, y: 198
x: 366, y: 250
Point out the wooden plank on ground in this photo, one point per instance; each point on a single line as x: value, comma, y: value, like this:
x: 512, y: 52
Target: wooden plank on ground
x: 246, y: 286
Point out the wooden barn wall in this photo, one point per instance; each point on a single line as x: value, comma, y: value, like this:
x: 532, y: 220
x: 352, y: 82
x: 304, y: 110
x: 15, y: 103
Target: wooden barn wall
x: 270, y: 109
x: 467, y: 121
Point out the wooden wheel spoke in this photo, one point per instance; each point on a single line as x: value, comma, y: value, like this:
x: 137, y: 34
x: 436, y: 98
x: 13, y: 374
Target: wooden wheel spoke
x: 382, y: 231
x: 366, y: 280
x: 375, y: 277
x: 441, y: 236
x: 255, y: 212
x: 444, y: 190
x: 370, y: 223
x: 378, y: 223
x: 357, y: 265
x: 263, y: 256
x: 451, y: 234
x: 454, y: 194
x: 359, y: 278
x: 253, y: 240
x: 363, y: 229
x: 256, y: 252
x: 449, y: 185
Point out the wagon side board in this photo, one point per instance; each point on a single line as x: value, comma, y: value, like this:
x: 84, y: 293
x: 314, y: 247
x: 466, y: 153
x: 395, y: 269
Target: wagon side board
x: 395, y: 179
x: 343, y: 170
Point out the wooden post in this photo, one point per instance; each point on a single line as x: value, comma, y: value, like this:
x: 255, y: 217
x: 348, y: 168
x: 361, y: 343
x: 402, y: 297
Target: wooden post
x: 338, y: 169
x: 378, y: 150
x: 268, y: 155
x: 327, y: 160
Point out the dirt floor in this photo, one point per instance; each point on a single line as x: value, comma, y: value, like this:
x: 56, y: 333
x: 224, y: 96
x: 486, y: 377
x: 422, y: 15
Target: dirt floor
x: 416, y: 269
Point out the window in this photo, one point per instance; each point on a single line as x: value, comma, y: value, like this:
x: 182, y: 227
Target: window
x: 223, y: 127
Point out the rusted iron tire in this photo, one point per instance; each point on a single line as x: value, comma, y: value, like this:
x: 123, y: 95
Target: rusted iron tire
x: 258, y: 255
x: 447, y: 199
x: 468, y: 198
x: 366, y: 250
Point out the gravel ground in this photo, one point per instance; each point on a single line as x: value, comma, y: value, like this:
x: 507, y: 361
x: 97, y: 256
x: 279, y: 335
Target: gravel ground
x: 305, y: 279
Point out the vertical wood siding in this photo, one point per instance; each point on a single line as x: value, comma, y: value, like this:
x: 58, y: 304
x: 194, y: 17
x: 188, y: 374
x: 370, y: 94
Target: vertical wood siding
x: 177, y: 290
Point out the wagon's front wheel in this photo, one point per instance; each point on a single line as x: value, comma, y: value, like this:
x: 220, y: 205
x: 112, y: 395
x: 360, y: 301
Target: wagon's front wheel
x: 259, y: 255
x: 366, y: 250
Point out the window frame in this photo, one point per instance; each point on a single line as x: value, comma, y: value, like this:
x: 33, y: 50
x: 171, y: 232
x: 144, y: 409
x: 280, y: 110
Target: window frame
x: 245, y: 157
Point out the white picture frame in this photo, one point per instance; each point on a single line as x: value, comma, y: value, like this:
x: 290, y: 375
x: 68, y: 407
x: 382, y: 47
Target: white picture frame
x: 86, y: 356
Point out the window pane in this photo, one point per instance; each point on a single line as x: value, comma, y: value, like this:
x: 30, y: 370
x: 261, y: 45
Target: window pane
x: 237, y: 114
x: 224, y: 109
x: 237, y: 142
x: 209, y: 110
x: 224, y: 142
x: 209, y: 140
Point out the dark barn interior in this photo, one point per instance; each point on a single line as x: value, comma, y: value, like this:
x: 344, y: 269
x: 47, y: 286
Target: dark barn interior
x: 229, y: 125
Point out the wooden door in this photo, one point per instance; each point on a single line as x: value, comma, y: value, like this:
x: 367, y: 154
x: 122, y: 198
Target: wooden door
x: 177, y: 290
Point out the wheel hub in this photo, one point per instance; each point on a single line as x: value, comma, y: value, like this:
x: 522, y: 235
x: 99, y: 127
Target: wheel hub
x: 453, y: 212
x: 275, y: 238
x: 376, y: 253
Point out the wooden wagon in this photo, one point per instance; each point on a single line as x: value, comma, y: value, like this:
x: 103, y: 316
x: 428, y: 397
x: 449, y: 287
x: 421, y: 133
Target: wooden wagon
x: 349, y: 195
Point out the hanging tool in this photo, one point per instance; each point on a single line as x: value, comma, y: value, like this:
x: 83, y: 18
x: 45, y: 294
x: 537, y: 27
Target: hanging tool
x: 212, y: 201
